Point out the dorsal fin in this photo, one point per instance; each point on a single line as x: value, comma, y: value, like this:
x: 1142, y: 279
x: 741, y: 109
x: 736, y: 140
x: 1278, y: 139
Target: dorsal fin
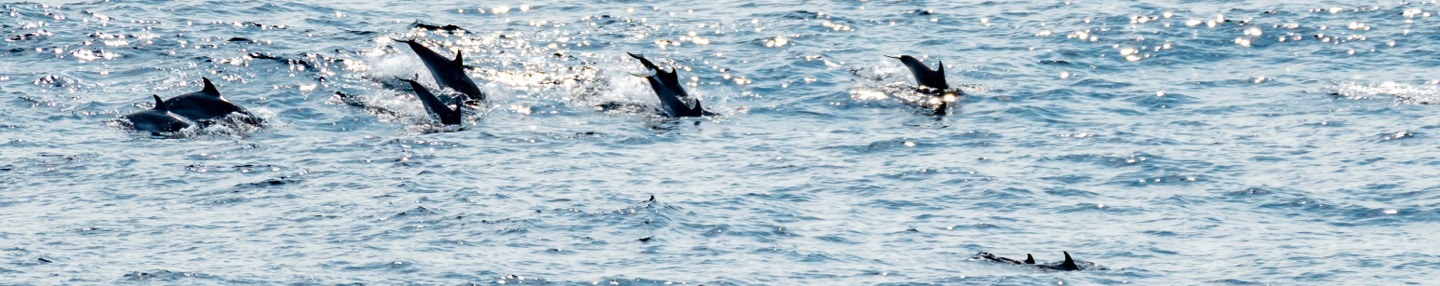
x: 159, y: 104
x: 697, y: 110
x: 209, y: 87
x: 1029, y: 259
x: 1069, y: 264
x: 941, y: 70
x: 460, y: 58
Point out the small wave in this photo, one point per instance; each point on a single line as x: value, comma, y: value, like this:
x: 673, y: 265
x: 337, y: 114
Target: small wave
x: 1401, y: 93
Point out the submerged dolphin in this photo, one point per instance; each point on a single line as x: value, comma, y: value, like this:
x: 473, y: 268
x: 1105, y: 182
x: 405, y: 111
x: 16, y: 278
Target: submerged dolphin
x: 206, y: 105
x: 157, y: 119
x: 672, y: 94
x: 1067, y: 265
x: 447, y: 73
x: 434, y: 106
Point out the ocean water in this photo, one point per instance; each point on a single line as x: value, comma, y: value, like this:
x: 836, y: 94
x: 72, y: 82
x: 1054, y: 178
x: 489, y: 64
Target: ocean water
x: 1166, y: 142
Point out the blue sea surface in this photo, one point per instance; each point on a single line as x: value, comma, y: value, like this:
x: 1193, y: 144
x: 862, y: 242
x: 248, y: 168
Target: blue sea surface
x: 1166, y: 142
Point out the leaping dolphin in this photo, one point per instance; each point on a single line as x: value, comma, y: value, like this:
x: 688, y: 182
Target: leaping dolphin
x: 433, y: 105
x: 1067, y: 265
x: 667, y: 87
x: 447, y: 73
x: 157, y: 119
x: 206, y: 105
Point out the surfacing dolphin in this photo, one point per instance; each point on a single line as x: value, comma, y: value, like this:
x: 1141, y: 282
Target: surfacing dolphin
x: 207, y: 105
x: 156, y: 120
x: 1067, y: 265
x: 447, y: 73
x: 433, y: 105
x: 667, y: 87
x: 929, y: 81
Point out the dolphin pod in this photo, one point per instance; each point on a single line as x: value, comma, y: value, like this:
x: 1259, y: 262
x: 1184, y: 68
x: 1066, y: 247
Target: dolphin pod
x: 157, y: 119
x: 204, y: 107
x: 447, y: 73
x: 1067, y: 265
x: 667, y: 87
x: 208, y: 104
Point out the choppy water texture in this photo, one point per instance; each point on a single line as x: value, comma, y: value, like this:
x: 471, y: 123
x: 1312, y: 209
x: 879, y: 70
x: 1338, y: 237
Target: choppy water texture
x: 1172, y: 142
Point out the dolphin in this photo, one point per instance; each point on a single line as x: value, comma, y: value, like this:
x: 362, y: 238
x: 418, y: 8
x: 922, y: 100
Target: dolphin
x: 924, y: 76
x: 667, y: 87
x: 156, y: 120
x: 1067, y: 265
x: 206, y: 105
x: 929, y: 81
x: 433, y: 105
x: 447, y: 73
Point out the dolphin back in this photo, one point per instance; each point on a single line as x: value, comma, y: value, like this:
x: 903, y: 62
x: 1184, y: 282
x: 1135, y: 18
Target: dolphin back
x: 207, y: 105
x: 156, y: 120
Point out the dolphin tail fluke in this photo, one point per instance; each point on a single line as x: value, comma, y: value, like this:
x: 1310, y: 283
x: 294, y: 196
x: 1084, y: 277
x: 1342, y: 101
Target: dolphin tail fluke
x: 1029, y: 259
x: 209, y: 87
x: 893, y: 57
x: 1069, y: 264
x: 159, y: 104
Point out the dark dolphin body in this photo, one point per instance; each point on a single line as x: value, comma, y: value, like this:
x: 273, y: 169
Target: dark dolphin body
x: 672, y: 94
x: 1067, y: 265
x: 931, y: 82
x: 924, y: 76
x: 434, y: 106
x: 157, y: 119
x: 206, y: 105
x: 447, y: 73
